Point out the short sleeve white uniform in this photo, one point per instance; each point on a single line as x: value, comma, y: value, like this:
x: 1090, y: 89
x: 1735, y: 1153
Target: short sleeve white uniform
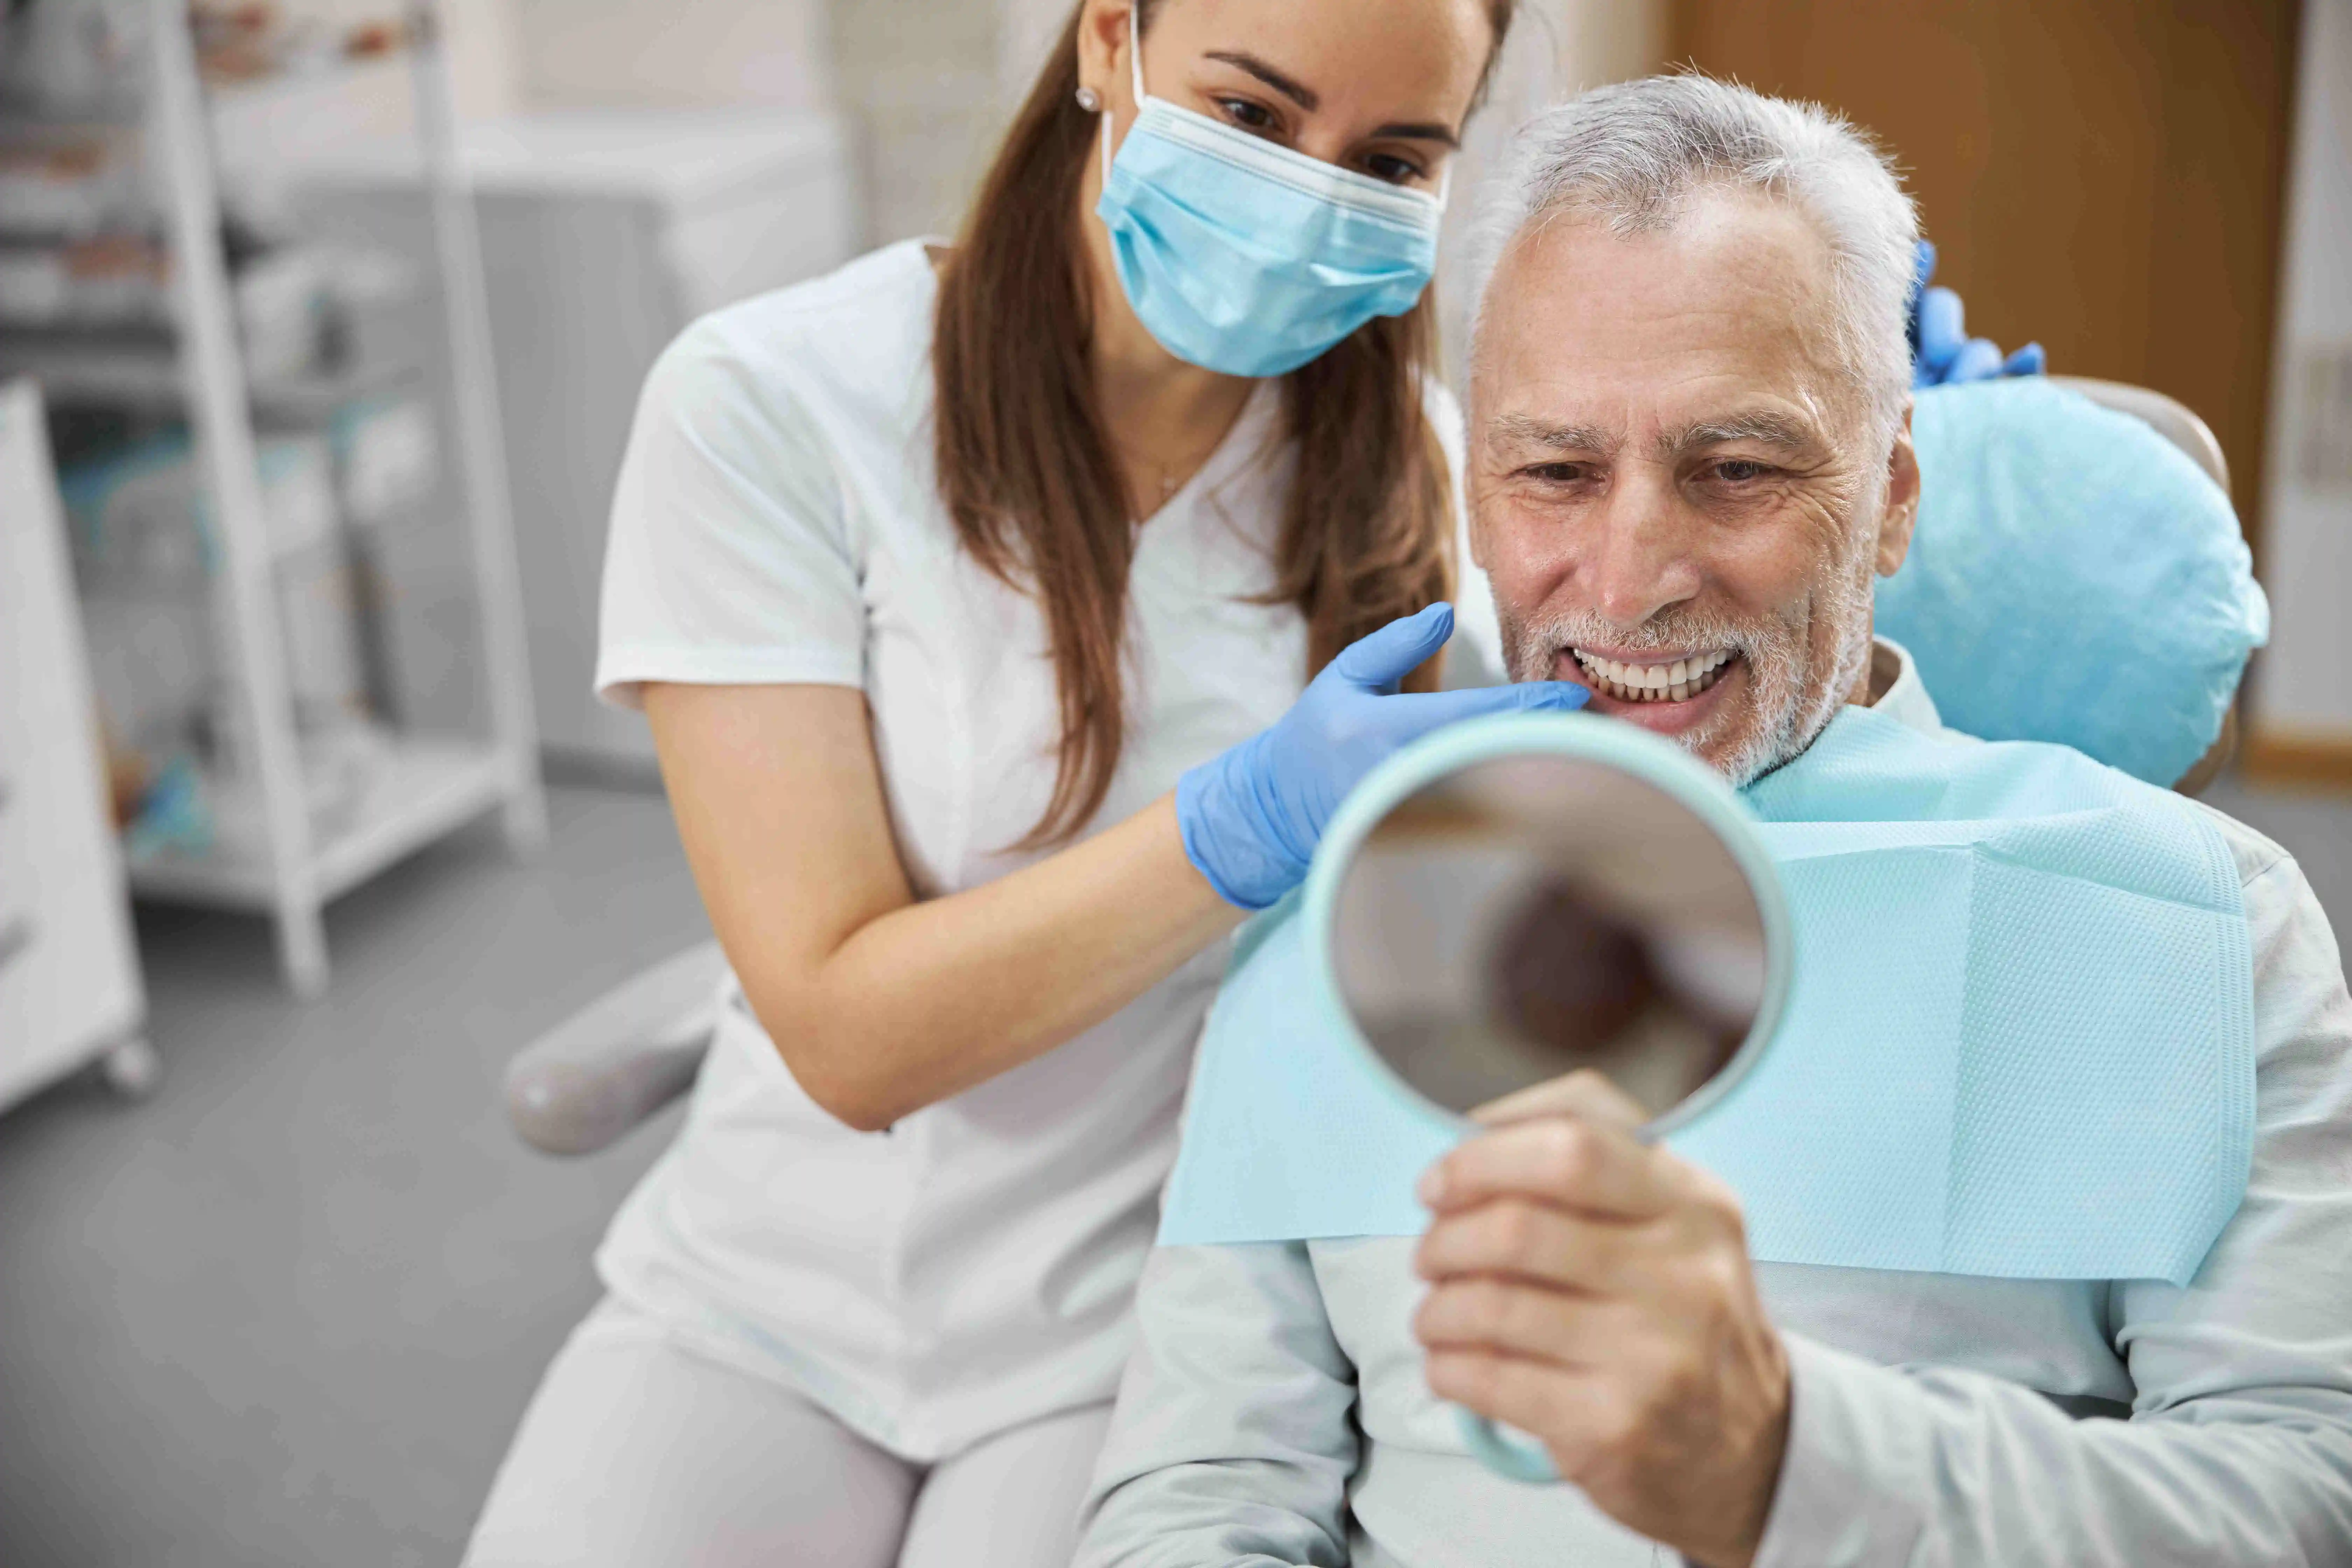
x: 777, y: 521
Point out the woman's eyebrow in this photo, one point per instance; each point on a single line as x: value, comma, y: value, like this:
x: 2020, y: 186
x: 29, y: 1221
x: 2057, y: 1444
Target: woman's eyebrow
x: 1420, y: 131
x: 1306, y: 97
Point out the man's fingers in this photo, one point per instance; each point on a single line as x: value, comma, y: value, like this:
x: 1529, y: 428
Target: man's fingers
x: 1584, y: 1092
x: 1561, y: 1160
x: 1513, y: 1318
x: 1519, y: 1238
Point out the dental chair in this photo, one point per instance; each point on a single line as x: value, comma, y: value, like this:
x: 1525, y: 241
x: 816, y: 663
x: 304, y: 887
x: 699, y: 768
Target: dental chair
x: 618, y: 1061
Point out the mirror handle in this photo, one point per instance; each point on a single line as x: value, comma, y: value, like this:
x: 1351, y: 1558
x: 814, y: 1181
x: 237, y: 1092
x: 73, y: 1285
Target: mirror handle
x: 1515, y: 1458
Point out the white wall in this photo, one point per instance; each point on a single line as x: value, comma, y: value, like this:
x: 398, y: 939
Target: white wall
x: 2305, y: 685
x: 917, y: 80
x: 674, y: 52
x: 925, y: 85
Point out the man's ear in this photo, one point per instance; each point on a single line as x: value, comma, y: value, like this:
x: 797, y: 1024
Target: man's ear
x: 1900, y: 512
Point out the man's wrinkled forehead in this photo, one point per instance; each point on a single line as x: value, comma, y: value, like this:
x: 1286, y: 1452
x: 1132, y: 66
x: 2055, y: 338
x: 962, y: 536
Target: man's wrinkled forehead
x: 1721, y: 323
x: 1766, y: 424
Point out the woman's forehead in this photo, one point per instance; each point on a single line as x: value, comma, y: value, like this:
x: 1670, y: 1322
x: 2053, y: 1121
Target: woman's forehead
x: 1399, y: 59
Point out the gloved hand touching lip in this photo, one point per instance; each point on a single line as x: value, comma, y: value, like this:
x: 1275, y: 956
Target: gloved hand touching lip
x: 1251, y: 815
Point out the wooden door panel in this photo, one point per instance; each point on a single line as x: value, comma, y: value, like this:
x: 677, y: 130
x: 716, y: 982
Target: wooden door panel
x: 2103, y: 175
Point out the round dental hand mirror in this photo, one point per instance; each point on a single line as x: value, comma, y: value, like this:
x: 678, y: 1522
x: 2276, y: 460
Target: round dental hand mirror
x: 1516, y: 900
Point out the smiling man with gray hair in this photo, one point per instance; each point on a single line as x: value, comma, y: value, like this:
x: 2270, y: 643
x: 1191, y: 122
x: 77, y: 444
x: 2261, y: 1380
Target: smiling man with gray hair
x: 1763, y: 250
x: 1688, y: 458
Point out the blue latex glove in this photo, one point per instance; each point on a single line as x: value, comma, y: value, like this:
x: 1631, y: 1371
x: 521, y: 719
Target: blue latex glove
x: 1252, y: 815
x: 1941, y: 349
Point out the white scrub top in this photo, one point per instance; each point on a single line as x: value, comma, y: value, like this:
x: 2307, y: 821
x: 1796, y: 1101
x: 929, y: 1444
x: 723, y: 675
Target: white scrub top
x: 777, y: 521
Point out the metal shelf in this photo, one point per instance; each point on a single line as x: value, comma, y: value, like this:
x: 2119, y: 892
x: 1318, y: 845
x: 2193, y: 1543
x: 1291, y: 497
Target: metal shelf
x: 125, y: 104
x: 115, y: 111
x: 424, y: 789
x: 141, y: 365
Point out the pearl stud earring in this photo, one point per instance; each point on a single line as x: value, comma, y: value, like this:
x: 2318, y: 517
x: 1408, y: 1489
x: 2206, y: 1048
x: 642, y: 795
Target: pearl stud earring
x: 1090, y: 101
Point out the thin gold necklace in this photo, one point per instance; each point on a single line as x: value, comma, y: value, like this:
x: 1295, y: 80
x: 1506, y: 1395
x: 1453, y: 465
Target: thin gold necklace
x: 1172, y: 479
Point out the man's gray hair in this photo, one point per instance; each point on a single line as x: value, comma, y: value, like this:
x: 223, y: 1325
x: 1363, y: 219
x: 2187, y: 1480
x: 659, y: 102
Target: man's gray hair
x: 1633, y: 157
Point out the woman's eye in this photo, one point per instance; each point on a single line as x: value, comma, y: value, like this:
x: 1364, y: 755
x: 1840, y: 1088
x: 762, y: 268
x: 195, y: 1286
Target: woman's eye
x: 1394, y: 170
x: 1247, y: 115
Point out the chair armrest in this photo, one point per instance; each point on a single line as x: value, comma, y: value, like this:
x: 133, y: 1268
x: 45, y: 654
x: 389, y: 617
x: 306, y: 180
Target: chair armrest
x: 581, y: 1085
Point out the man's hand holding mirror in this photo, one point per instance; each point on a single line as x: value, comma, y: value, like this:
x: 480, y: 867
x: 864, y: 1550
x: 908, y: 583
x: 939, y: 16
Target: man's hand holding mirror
x: 1578, y: 945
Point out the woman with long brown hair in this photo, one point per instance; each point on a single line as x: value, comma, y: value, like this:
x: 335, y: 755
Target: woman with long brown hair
x: 971, y: 592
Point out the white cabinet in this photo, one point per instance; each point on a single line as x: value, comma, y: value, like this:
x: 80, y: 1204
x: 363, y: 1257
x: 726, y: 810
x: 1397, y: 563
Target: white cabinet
x: 69, y: 988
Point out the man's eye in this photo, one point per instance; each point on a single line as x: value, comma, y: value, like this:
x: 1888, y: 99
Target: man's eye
x: 1247, y: 115
x: 1396, y: 171
x: 1740, y: 470
x: 1559, y: 473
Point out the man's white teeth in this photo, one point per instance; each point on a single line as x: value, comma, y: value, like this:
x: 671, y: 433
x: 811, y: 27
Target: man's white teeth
x: 1670, y: 682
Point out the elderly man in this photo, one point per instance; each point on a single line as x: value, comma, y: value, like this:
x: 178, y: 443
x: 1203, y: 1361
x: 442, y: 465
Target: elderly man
x: 1688, y: 456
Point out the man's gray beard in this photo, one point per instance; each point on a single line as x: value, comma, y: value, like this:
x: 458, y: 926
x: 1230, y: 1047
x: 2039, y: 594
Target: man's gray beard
x: 1792, y: 701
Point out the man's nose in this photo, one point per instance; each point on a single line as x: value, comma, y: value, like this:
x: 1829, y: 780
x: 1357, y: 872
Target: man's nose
x: 1640, y: 561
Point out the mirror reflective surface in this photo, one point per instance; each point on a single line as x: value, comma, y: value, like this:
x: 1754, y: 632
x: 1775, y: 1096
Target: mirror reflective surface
x: 1529, y: 916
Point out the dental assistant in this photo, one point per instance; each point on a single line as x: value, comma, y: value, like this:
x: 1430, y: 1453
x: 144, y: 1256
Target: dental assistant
x: 973, y: 594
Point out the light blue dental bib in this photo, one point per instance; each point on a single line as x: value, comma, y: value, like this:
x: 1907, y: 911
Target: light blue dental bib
x: 2019, y: 1041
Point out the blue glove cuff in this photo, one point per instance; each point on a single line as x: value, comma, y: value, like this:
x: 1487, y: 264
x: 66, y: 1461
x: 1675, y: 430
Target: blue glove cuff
x: 1225, y: 836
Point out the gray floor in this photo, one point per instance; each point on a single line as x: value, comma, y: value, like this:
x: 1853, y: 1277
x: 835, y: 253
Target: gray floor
x: 287, y: 1311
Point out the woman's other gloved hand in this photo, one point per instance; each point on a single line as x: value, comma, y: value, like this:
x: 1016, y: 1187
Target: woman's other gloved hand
x: 1941, y: 349
x: 1252, y: 815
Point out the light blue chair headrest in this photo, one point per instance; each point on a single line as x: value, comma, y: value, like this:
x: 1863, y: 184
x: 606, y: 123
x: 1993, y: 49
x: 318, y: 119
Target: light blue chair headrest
x: 2074, y: 577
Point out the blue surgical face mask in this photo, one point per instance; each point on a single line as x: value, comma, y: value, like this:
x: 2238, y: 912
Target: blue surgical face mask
x: 1242, y: 257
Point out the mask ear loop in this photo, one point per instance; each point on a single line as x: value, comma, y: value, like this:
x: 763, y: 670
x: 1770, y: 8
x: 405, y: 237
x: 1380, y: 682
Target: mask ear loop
x: 1135, y: 49
x: 1106, y: 146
